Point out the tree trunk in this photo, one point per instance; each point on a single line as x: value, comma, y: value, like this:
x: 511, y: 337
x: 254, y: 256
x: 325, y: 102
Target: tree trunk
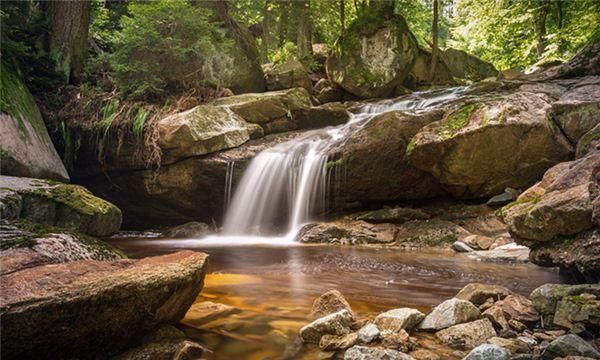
x: 434, y: 40
x: 539, y: 25
x: 342, y: 16
x: 283, y: 22
x: 265, y: 33
x: 304, y: 42
x: 69, y: 26
x: 559, y: 14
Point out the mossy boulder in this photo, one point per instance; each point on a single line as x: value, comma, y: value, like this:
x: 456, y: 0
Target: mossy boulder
x: 57, y: 204
x: 420, y: 73
x: 590, y: 141
x: 25, y: 146
x: 374, y: 55
x: 466, y: 66
x: 273, y: 111
x: 482, y: 147
x: 287, y: 75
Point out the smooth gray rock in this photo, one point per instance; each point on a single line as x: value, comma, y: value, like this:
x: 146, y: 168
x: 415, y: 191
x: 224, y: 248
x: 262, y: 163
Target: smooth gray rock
x: 569, y: 345
x: 488, y: 352
x: 449, y: 313
x: 374, y: 353
x: 368, y: 333
x: 460, y: 246
x: 334, y: 324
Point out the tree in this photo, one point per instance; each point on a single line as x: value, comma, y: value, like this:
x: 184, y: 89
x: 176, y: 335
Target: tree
x: 69, y: 26
x: 304, y: 42
x: 539, y: 26
x: 283, y: 22
x: 434, y: 39
x: 342, y: 16
x: 265, y: 32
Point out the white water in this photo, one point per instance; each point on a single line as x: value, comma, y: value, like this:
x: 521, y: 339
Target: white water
x: 286, y: 185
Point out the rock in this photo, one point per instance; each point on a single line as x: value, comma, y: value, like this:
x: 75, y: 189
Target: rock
x: 514, y: 346
x: 466, y: 66
x: 206, y: 311
x: 273, y: 111
x: 287, y: 75
x: 449, y: 313
x: 509, y: 253
x: 391, y: 215
x: 422, y: 354
x: 586, y: 62
x: 510, y: 74
x: 370, y: 62
x: 517, y: 326
x: 496, y: 315
x: 488, y: 352
x: 398, y: 319
x: 460, y: 246
x: 549, y: 335
x: 509, y: 195
x: 459, y: 149
x: 347, y: 232
x: 478, y: 293
x: 577, y: 111
x: 398, y: 341
x: 519, y: 308
x: 560, y: 204
x: 429, y: 233
x: 420, y: 73
x: 374, y: 353
x: 63, y: 205
x: 25, y: 146
x: 501, y: 240
x: 578, y: 313
x: 569, y: 345
x: 374, y: 162
x: 590, y: 141
x: 192, y: 229
x: 330, y: 302
x: 546, y: 297
x: 368, y: 333
x: 330, y: 114
x: 467, y: 335
x: 335, y: 342
x: 478, y: 242
x: 201, y: 130
x: 333, y: 324
x: 326, y: 91
x: 166, y: 343
x: 112, y: 303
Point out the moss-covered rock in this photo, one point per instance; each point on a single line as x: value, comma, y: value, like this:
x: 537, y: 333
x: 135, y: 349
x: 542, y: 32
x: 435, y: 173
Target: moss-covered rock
x: 287, y: 75
x: 374, y: 55
x: 466, y: 66
x: 420, y: 73
x: 25, y: 146
x: 62, y: 205
x: 590, y: 141
x: 482, y: 147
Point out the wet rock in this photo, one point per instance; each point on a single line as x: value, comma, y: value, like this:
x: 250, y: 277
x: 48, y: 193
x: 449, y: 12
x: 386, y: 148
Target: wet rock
x: 62, y: 205
x: 374, y: 353
x: 488, y: 352
x: 287, y: 75
x: 478, y: 242
x: 391, y: 215
x: 460, y: 246
x: 206, y: 311
x: 273, y: 111
x: 509, y: 195
x: 316, y: 117
x: 25, y: 146
x: 398, y: 319
x: 509, y: 253
x: 326, y: 91
x: 192, y: 229
x: 334, y: 324
x: 501, y: 240
x: 166, y: 343
x: 330, y: 302
x: 337, y: 342
x: 569, y: 345
x: 112, y: 303
x: 398, y: 341
x: 368, y: 333
x: 449, y: 313
x: 458, y: 149
x: 347, y: 232
x: 429, y: 233
x: 467, y: 335
x: 514, y: 346
x: 372, y: 63
x: 478, y: 293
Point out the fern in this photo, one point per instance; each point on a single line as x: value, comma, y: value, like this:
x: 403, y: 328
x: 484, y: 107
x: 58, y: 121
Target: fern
x: 138, y: 122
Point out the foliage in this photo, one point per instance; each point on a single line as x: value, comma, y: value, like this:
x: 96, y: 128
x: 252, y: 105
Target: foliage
x: 284, y: 53
x: 165, y: 47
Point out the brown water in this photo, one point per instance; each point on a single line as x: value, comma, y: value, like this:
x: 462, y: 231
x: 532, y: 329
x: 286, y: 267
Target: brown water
x: 275, y: 286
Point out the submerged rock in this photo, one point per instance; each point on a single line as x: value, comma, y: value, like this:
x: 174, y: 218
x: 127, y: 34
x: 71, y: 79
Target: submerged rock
x: 449, y: 313
x: 488, y: 352
x: 192, y: 229
x: 166, y: 343
x: 460, y: 246
x: 206, y: 311
x: 63, y: 205
x: 398, y: 319
x: 335, y: 342
x: 374, y: 353
x: 333, y: 324
x: 569, y: 345
x: 467, y: 335
x: 330, y: 302
x: 112, y: 303
x: 25, y: 146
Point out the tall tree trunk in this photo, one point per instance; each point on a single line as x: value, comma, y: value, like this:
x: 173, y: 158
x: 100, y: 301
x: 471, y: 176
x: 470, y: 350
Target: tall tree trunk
x: 283, y: 22
x: 69, y: 26
x: 434, y: 40
x: 304, y: 42
x: 265, y: 33
x: 539, y: 25
x: 559, y: 14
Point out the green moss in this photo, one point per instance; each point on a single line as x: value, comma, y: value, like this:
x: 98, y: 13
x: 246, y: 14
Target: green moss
x: 77, y: 198
x: 18, y: 242
x: 3, y: 154
x: 411, y: 145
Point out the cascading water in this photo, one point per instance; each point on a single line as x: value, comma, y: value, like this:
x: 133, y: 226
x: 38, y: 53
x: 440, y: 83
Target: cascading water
x: 284, y: 185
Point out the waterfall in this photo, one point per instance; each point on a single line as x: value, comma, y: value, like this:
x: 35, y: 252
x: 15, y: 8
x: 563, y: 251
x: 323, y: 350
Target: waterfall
x: 287, y: 184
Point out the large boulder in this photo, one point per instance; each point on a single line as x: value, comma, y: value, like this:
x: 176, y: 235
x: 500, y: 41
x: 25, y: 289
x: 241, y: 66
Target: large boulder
x: 466, y: 66
x: 569, y: 345
x: 586, y: 62
x: 420, y: 73
x: 287, y: 75
x: 94, y: 307
x: 273, y: 111
x: 337, y: 324
x: 25, y: 146
x: 374, y: 163
x: 374, y: 55
x: 479, y: 149
x: 63, y: 205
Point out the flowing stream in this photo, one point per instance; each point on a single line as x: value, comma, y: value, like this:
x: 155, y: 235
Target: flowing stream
x: 285, y: 186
